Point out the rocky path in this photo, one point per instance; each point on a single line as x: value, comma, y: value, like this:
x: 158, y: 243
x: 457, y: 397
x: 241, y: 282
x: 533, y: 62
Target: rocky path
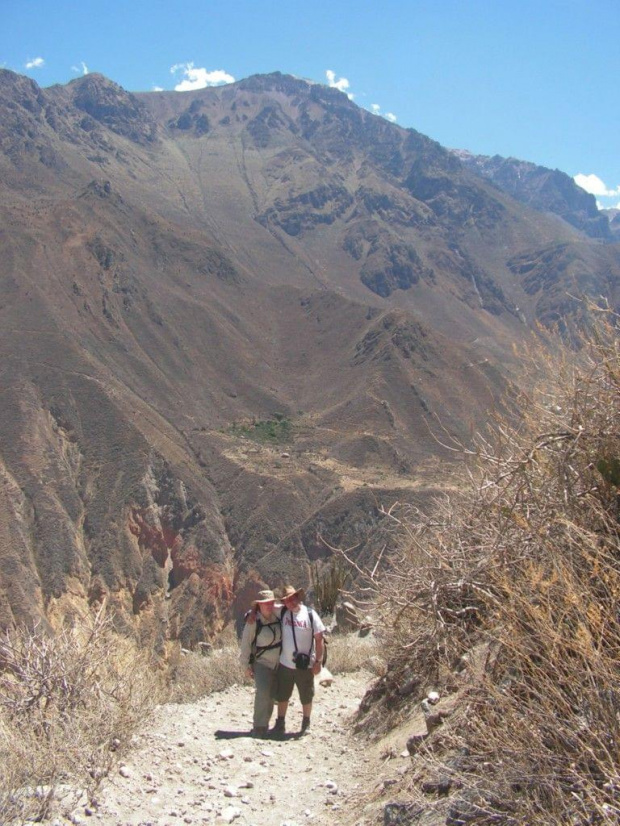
x: 198, y: 765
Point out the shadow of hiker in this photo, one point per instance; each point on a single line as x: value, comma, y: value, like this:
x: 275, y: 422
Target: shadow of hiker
x: 223, y: 734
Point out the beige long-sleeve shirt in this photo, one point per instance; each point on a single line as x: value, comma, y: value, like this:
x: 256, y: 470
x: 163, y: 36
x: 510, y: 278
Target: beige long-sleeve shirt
x: 267, y: 635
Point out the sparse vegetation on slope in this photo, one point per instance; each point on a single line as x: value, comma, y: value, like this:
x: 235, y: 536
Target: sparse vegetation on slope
x: 524, y: 571
x: 277, y: 430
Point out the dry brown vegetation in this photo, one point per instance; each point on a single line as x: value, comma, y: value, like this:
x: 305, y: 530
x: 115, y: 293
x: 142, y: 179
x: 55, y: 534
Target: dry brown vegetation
x: 192, y: 674
x: 525, y: 569
x: 69, y: 705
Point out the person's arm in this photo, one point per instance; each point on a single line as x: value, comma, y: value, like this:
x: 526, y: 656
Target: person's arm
x: 247, y: 639
x: 318, y: 652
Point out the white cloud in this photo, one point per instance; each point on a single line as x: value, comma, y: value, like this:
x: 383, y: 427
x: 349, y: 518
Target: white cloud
x: 196, y: 78
x: 81, y: 69
x: 158, y: 89
x: 37, y: 63
x: 594, y: 185
x: 376, y: 110
x: 341, y: 83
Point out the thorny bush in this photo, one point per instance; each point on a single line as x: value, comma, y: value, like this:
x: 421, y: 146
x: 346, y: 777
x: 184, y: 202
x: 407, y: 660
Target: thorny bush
x: 69, y: 704
x: 524, y: 565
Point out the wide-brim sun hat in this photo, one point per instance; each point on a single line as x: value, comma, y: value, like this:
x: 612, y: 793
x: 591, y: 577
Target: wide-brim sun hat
x: 291, y: 591
x: 265, y: 596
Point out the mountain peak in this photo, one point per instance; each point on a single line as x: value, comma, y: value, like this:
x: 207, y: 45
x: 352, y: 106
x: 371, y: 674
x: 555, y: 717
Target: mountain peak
x: 106, y: 102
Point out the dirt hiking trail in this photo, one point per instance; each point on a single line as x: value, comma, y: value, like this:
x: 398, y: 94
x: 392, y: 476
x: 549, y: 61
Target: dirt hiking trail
x: 197, y: 764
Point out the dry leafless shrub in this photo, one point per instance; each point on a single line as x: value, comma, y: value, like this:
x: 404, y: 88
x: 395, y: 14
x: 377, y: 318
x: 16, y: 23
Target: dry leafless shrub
x: 528, y: 562
x: 69, y: 704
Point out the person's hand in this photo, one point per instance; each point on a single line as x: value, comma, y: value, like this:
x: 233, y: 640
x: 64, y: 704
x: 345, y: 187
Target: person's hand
x: 316, y: 668
x: 250, y: 617
x: 249, y: 672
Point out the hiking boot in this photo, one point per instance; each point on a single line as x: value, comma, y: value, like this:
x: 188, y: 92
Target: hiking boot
x: 305, y: 724
x: 279, y: 727
x: 260, y: 731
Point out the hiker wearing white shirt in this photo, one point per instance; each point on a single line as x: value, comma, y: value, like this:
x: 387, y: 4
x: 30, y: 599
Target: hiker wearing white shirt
x: 301, y: 656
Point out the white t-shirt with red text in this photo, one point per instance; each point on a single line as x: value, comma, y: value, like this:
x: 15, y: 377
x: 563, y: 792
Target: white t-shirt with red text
x: 303, y: 634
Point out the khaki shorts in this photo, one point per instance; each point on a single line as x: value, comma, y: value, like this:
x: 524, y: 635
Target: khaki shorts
x: 288, y: 678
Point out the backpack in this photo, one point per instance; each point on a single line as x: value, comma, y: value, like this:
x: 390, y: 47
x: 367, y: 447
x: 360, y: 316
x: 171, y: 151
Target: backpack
x: 258, y: 650
x: 310, y: 614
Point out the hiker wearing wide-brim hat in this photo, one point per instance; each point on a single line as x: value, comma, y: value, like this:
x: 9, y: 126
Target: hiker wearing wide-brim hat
x: 301, y: 656
x: 289, y: 591
x: 260, y: 655
x: 264, y: 597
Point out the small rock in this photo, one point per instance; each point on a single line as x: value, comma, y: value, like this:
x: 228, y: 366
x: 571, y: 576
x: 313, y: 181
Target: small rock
x: 415, y: 741
x: 347, y: 618
x: 433, y: 721
x: 229, y: 814
x: 124, y: 771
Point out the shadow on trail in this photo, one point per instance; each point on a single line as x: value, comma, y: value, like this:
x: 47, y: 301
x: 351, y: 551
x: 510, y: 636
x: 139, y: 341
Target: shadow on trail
x: 223, y: 734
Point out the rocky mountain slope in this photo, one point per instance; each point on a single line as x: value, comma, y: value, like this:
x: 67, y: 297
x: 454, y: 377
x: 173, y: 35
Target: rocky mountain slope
x: 548, y: 190
x: 227, y: 319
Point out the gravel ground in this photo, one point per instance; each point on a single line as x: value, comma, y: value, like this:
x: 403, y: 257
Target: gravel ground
x: 197, y: 763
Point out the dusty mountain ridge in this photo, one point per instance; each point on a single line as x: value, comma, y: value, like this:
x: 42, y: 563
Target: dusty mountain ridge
x: 226, y: 318
x: 545, y: 189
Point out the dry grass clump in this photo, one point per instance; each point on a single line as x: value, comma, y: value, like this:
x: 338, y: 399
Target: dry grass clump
x: 69, y: 704
x: 350, y: 652
x: 527, y: 563
x: 194, y: 674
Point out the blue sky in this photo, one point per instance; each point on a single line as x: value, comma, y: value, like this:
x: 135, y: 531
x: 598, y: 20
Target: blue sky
x: 532, y: 79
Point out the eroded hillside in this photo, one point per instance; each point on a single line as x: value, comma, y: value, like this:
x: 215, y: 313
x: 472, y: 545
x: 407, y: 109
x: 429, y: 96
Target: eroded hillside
x: 227, y: 320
